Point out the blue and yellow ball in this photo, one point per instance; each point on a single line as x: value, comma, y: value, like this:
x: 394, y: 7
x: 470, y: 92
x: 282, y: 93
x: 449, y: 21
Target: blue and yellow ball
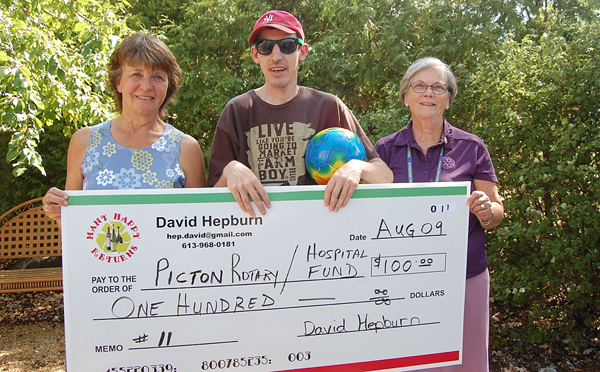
x: 330, y: 149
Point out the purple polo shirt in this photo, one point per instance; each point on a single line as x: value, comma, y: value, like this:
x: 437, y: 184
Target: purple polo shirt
x: 465, y: 158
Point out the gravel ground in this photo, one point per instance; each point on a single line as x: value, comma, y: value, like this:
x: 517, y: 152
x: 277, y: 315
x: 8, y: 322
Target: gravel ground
x: 36, y: 346
x: 32, y: 340
x: 32, y: 333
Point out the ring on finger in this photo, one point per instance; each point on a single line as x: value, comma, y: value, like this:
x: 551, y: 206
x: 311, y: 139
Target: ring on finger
x: 482, y: 206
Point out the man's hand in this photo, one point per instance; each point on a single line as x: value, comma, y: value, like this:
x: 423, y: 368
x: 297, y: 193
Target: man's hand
x: 244, y: 185
x: 342, y: 184
x: 346, y: 179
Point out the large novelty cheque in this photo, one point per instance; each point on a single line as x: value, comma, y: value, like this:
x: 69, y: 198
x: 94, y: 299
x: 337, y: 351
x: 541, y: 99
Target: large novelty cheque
x: 184, y: 281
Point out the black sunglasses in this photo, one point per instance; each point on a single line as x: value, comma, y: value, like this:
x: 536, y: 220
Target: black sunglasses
x: 286, y: 46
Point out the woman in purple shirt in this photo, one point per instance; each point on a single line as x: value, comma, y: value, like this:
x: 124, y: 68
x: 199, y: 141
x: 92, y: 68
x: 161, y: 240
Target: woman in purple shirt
x: 429, y: 149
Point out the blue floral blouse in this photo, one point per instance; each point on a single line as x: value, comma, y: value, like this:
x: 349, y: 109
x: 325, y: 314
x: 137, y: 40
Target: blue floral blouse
x: 108, y: 165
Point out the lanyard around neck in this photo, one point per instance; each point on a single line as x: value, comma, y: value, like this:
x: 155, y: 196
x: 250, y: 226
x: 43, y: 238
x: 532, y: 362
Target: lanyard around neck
x: 409, y: 160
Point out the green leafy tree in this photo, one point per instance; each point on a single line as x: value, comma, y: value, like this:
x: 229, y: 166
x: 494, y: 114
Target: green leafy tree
x: 541, y: 122
x: 53, y: 56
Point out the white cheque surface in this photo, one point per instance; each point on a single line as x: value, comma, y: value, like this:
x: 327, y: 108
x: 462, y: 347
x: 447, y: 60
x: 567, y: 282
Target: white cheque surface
x: 184, y: 281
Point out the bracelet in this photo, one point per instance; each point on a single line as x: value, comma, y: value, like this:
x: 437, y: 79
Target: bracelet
x: 485, y: 223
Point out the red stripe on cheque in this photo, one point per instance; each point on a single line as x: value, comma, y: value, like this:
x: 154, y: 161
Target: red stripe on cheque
x: 377, y: 365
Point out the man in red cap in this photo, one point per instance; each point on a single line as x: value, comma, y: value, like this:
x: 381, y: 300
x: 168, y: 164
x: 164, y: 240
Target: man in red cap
x: 262, y: 135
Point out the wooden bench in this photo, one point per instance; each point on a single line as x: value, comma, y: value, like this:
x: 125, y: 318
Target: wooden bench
x: 26, y: 232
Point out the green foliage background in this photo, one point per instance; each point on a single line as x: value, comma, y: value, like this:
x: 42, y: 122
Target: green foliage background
x: 529, y: 85
x: 53, y: 58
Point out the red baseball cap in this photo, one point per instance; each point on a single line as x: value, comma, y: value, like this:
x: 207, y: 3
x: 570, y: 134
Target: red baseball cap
x: 278, y: 19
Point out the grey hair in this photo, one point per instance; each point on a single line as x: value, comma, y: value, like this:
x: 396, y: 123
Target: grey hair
x: 425, y: 63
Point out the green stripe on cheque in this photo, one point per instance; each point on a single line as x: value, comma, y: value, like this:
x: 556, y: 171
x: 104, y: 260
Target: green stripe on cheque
x: 225, y: 196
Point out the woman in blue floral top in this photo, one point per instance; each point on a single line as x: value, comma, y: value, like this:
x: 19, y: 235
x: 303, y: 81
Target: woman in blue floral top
x: 137, y: 149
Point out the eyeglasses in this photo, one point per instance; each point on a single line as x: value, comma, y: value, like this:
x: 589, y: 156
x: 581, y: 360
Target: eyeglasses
x: 286, y: 46
x: 437, y: 88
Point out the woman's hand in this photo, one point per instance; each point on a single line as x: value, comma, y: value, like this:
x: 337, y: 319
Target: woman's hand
x: 53, y: 200
x: 486, y: 204
x: 480, y: 205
